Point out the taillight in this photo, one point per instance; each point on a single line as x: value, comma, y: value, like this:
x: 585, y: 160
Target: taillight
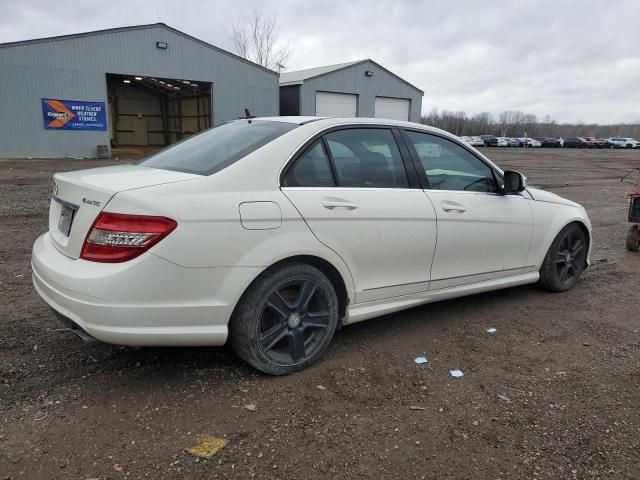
x: 116, y: 237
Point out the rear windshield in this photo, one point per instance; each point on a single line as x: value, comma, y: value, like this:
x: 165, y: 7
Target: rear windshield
x: 212, y: 150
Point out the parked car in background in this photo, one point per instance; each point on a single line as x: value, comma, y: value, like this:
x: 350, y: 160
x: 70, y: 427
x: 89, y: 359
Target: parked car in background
x: 252, y: 232
x: 503, y: 142
x: 514, y: 142
x: 489, y: 140
x: 530, y: 142
x: 549, y: 142
x: 477, y: 142
x: 600, y: 143
x: 577, y: 142
x: 473, y: 141
x: 623, y: 142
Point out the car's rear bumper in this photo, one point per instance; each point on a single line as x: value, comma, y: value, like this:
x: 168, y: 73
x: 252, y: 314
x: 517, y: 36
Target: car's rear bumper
x: 146, y: 301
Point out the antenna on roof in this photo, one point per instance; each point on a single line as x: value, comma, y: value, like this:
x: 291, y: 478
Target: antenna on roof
x: 247, y: 115
x: 280, y: 67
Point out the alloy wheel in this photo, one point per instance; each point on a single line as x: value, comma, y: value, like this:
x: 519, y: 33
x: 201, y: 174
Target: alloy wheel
x: 570, y: 257
x: 294, y: 321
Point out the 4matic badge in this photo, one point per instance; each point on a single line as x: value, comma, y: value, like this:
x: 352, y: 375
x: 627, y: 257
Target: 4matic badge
x: 91, y: 202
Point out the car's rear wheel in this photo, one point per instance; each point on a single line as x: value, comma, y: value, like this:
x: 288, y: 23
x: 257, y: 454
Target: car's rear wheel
x: 286, y: 319
x: 633, y: 238
x: 565, y: 260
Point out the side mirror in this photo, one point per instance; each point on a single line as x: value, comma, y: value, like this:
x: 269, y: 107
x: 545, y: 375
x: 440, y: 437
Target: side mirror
x: 514, y: 182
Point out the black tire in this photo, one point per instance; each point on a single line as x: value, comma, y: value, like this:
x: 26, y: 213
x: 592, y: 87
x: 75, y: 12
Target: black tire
x: 286, y: 319
x: 565, y: 260
x: 633, y: 238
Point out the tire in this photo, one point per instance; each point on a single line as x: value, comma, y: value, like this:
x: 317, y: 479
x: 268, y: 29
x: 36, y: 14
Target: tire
x: 565, y: 260
x: 633, y: 238
x: 285, y: 320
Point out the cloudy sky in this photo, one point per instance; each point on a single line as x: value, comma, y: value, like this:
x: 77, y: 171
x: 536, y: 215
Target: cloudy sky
x: 574, y: 60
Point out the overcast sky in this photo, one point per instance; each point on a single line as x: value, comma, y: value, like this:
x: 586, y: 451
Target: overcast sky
x: 573, y: 60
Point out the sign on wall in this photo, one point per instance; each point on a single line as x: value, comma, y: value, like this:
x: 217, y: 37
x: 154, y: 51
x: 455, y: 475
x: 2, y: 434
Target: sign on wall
x: 73, y: 115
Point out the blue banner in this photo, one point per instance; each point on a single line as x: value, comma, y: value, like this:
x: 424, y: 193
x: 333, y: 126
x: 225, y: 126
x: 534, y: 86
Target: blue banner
x: 73, y: 115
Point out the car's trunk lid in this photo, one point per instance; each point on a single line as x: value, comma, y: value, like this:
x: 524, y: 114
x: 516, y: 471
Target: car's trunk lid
x: 79, y: 197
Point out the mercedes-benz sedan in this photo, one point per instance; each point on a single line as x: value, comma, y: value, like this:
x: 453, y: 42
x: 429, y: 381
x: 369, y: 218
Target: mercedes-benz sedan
x: 271, y: 233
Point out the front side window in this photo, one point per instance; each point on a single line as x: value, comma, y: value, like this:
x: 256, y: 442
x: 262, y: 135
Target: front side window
x: 367, y: 158
x: 450, y: 166
x: 312, y: 169
x: 212, y: 150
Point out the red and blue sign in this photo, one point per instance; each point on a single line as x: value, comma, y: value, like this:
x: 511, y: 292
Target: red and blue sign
x: 73, y: 115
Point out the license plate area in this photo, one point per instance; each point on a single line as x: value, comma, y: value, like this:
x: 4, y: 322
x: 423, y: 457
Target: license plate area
x: 67, y: 213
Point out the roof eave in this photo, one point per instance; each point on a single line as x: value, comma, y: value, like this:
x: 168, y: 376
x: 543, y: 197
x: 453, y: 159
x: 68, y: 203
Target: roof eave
x: 136, y: 27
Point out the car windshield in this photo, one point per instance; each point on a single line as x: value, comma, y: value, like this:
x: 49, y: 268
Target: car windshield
x: 212, y: 150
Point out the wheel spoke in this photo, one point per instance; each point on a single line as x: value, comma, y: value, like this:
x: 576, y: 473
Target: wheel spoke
x: 561, y: 258
x: 271, y: 337
x: 577, y: 247
x: 316, y: 320
x: 296, y: 344
x: 307, y: 291
x: 279, y: 304
x: 564, y: 273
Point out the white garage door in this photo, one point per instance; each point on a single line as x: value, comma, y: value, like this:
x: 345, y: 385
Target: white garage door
x: 335, y: 104
x: 393, y: 108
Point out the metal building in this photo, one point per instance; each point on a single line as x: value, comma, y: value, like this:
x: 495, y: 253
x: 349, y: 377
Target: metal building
x: 355, y: 89
x: 142, y: 85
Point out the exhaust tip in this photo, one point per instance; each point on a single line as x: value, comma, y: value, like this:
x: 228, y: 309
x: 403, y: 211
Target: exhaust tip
x: 74, y: 328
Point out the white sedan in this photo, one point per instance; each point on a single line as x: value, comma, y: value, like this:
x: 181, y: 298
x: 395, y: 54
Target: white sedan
x: 530, y: 142
x: 273, y: 232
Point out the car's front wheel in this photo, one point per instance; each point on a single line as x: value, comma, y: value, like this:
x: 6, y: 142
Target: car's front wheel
x: 633, y: 238
x: 565, y: 261
x: 286, y: 319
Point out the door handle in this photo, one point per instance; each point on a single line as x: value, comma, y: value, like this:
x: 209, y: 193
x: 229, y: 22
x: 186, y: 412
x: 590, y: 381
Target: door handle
x: 453, y: 207
x: 332, y: 204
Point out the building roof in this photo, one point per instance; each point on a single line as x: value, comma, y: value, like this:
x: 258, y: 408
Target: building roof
x: 298, y: 77
x: 133, y: 27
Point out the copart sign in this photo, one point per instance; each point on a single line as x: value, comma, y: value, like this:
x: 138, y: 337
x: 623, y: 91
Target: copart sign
x: 73, y: 115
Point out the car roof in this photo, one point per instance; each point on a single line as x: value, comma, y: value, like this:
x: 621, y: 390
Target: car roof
x: 326, y: 122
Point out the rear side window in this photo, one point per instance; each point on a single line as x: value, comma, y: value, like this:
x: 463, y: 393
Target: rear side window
x: 210, y: 151
x: 312, y: 169
x: 367, y: 158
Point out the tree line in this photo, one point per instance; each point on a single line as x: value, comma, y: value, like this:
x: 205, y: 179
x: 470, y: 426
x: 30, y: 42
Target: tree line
x: 514, y: 123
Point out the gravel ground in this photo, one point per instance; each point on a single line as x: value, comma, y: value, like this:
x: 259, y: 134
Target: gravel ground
x: 552, y: 394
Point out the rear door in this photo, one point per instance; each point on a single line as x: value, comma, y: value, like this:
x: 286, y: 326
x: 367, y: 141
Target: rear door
x: 353, y: 190
x: 481, y: 234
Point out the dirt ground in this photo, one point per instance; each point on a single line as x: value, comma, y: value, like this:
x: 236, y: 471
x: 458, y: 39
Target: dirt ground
x: 553, y: 394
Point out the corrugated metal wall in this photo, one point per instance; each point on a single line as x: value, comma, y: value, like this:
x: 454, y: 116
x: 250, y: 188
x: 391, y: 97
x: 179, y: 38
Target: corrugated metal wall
x: 353, y: 80
x: 76, y: 68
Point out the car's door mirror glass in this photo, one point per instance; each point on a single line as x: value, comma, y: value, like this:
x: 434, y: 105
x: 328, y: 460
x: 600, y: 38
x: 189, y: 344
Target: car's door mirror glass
x: 514, y: 182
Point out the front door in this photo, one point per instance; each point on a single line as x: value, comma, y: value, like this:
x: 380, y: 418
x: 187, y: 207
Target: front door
x: 140, y: 132
x: 482, y: 234
x: 352, y: 189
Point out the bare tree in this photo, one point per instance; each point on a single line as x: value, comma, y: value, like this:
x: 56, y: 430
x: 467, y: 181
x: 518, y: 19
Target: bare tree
x: 257, y: 38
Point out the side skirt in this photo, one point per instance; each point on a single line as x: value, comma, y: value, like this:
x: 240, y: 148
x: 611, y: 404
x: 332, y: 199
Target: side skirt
x: 364, y: 311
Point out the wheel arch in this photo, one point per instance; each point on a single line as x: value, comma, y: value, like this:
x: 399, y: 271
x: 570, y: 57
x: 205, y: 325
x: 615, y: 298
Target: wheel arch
x: 553, y: 233
x: 331, y: 271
